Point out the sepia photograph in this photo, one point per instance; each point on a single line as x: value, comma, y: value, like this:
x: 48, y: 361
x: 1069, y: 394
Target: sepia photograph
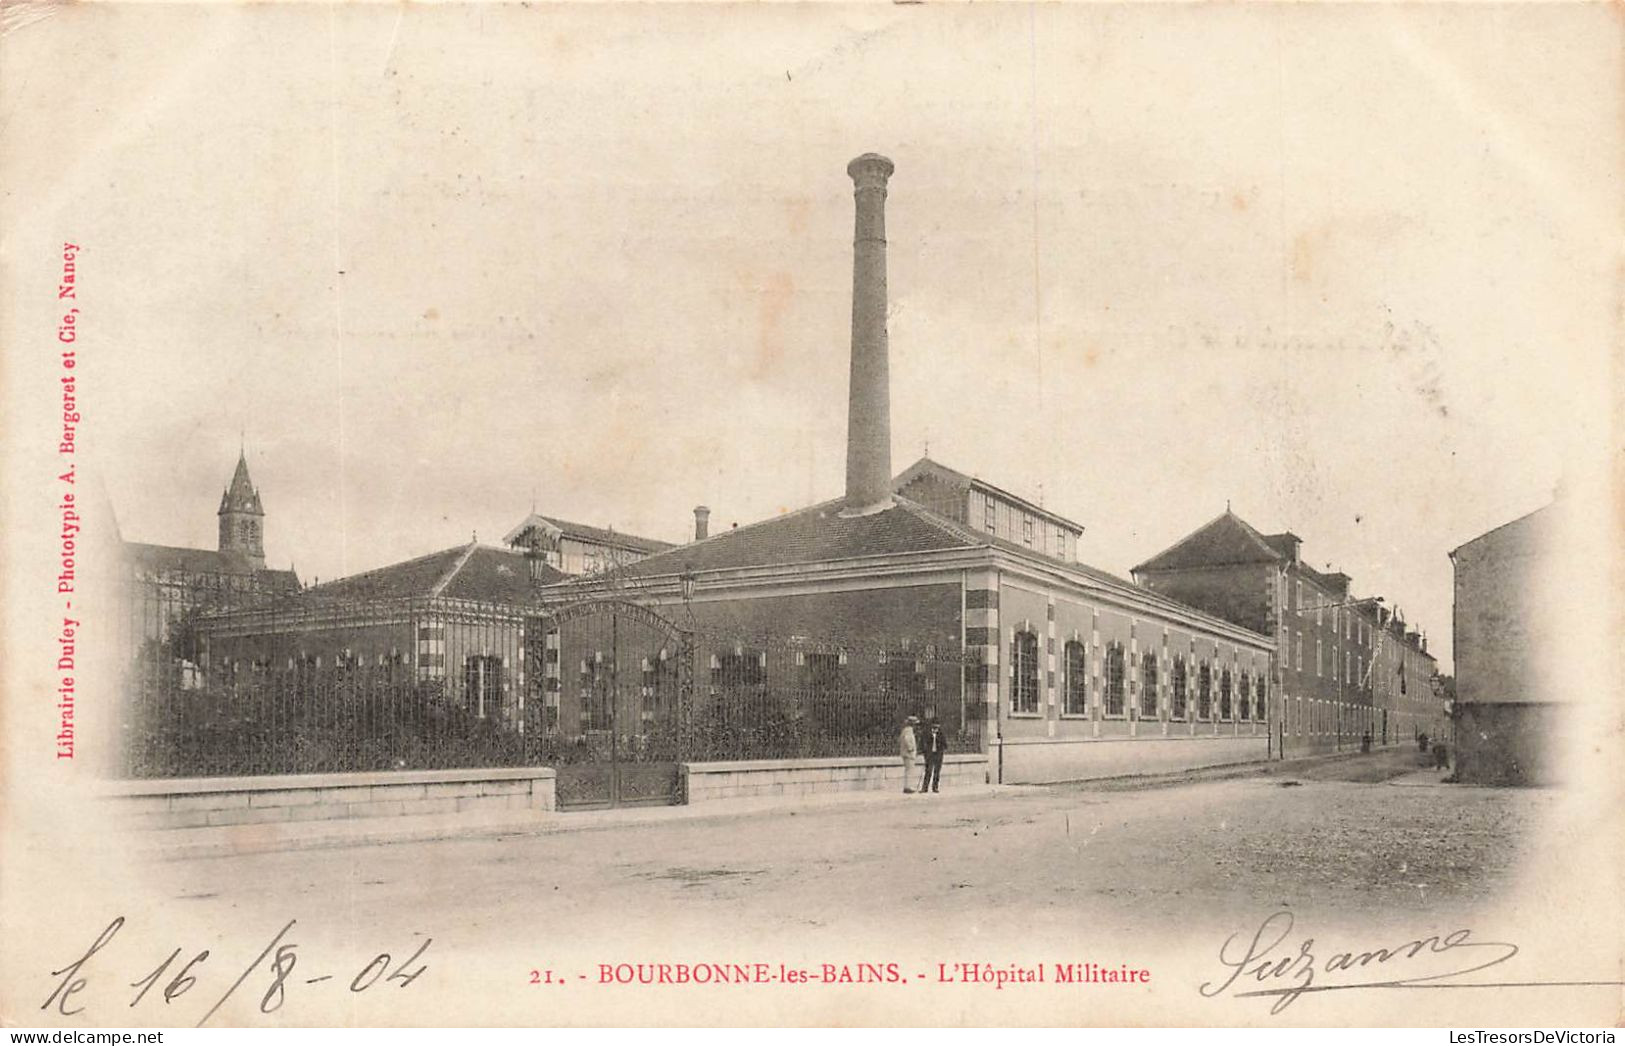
x: 811, y: 515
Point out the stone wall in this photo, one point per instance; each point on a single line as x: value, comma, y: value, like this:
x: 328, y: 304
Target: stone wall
x: 1041, y: 760
x: 780, y: 778
x: 209, y: 801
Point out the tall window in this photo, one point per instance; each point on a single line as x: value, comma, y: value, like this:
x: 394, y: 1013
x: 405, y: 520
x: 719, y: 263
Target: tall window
x: 1225, y: 704
x: 1204, y: 692
x: 1075, y: 698
x: 822, y: 671
x: 1148, y: 686
x: 1027, y: 531
x: 1177, y: 698
x: 1114, y: 679
x: 482, y: 684
x: 1297, y: 651
x: 739, y: 669
x: 1024, y: 674
x: 990, y: 516
x: 1262, y: 699
x: 1244, y: 697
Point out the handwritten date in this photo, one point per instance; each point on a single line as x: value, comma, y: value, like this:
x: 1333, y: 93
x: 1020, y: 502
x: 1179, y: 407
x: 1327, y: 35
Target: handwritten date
x: 173, y: 978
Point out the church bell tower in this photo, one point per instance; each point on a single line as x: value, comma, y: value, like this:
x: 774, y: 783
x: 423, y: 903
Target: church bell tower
x: 242, y: 519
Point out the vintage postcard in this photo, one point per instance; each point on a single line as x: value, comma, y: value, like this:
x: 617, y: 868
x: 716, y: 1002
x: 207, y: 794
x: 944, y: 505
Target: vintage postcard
x: 811, y: 514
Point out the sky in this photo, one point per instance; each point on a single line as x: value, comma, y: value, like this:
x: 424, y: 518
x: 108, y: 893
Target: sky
x: 1349, y: 271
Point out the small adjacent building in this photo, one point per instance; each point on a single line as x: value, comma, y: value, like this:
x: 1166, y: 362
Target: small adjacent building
x: 576, y: 548
x: 1510, y: 713
x: 1345, y: 665
x: 461, y: 619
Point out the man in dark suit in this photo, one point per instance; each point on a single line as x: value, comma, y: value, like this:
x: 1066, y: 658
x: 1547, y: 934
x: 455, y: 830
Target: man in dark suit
x: 933, y: 745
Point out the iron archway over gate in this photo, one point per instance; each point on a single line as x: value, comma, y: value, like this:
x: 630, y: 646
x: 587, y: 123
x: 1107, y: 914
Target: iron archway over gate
x: 617, y: 683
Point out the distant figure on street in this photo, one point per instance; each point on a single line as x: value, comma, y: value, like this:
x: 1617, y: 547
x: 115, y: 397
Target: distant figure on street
x: 908, y: 746
x: 934, y: 744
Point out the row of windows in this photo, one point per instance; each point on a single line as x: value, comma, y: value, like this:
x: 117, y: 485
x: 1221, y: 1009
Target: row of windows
x: 314, y: 661
x: 1351, y: 626
x: 1315, y: 718
x: 1035, y: 533
x: 1353, y: 664
x: 1240, y: 697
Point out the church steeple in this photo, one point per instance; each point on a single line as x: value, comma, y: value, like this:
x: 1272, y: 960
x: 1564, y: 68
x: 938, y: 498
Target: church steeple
x: 242, y: 518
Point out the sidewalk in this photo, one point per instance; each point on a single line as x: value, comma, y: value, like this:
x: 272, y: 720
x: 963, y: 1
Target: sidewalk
x: 232, y: 840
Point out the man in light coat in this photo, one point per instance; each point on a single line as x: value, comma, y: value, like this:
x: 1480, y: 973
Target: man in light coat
x: 908, y: 746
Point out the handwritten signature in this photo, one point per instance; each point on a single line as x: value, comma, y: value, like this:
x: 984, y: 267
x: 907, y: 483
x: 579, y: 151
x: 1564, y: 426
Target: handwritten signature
x: 282, y: 951
x: 1424, y: 962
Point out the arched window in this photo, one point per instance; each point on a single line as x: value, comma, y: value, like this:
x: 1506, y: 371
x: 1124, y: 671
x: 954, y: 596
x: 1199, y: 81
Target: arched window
x: 1148, y: 686
x: 1024, y: 674
x: 1204, y: 691
x: 1176, y: 708
x: 1244, y: 697
x: 1224, y: 694
x: 1114, y: 679
x: 1075, y: 696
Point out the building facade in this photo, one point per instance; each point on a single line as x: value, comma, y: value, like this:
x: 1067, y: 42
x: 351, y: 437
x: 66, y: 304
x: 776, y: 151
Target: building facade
x: 1072, y: 672
x: 1510, y: 713
x: 1345, y: 667
x: 462, y: 620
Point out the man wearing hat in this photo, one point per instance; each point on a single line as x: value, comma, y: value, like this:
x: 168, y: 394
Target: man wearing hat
x: 909, y: 748
x: 934, y: 745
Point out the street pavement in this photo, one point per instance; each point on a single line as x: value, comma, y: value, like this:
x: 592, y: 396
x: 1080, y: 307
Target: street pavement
x: 1160, y: 873
x: 1351, y: 834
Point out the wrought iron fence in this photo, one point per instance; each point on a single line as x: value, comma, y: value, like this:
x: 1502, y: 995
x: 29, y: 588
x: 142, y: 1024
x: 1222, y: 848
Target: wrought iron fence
x: 766, y: 697
x: 308, y: 685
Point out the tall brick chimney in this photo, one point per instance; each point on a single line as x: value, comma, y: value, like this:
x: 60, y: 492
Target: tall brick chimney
x: 868, y: 419
x: 702, y: 522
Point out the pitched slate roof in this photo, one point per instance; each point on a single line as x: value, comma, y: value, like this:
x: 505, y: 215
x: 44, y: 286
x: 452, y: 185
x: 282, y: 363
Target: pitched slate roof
x: 817, y: 534
x: 583, y: 532
x: 820, y: 534
x: 241, y: 496
x: 1524, y: 520
x: 472, y: 571
x: 174, y: 558
x: 926, y: 467
x: 1224, y: 540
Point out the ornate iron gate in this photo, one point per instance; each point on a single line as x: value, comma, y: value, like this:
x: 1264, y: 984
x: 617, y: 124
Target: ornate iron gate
x: 616, y: 680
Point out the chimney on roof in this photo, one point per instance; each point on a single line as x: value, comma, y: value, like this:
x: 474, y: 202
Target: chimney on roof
x: 868, y: 420
x: 702, y: 522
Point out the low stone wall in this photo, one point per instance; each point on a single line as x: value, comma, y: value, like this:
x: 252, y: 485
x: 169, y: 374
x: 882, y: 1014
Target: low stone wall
x: 1043, y: 760
x: 763, y: 778
x: 199, y: 802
